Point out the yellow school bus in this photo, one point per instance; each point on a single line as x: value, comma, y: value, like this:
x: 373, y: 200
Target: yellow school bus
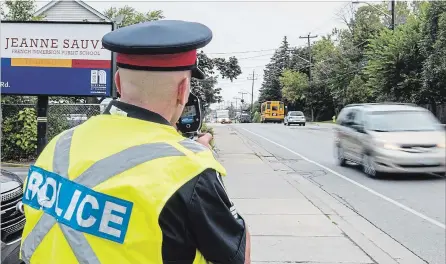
x: 272, y: 111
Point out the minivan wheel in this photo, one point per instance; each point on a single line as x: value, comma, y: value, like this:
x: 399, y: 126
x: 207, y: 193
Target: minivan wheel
x: 340, y: 156
x: 368, y: 166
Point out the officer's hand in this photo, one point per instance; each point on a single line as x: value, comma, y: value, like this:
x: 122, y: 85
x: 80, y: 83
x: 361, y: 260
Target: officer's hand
x: 205, y: 139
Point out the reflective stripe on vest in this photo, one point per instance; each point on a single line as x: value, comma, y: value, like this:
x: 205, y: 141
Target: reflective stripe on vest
x: 96, y: 174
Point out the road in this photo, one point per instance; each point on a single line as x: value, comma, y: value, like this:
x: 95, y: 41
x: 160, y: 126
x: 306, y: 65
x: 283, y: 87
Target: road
x: 411, y: 209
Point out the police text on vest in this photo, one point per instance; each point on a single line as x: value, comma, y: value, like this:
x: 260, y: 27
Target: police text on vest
x: 77, y: 206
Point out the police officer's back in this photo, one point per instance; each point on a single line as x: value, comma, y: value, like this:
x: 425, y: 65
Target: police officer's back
x: 125, y: 186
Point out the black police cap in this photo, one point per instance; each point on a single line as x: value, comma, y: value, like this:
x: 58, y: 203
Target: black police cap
x: 163, y: 45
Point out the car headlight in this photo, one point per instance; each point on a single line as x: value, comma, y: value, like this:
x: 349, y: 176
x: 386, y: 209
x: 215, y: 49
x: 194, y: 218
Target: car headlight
x: 441, y: 145
x: 390, y: 146
x: 386, y: 145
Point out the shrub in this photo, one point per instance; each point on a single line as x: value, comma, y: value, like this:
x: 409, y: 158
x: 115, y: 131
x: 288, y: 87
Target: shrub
x: 19, y: 135
x: 256, y: 118
x: 56, y: 125
x: 207, y: 129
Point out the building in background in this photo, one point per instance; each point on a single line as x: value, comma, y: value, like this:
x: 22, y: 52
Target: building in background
x: 70, y: 11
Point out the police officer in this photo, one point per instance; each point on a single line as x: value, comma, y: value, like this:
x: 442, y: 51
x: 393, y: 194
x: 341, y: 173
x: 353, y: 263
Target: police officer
x: 125, y: 186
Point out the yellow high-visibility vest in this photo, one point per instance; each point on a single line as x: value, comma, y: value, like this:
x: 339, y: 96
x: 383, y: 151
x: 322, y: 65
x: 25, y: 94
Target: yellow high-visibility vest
x: 96, y: 192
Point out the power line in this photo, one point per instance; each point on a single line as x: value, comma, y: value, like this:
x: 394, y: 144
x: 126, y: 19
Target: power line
x: 248, y: 51
x: 239, y: 52
x: 257, y: 56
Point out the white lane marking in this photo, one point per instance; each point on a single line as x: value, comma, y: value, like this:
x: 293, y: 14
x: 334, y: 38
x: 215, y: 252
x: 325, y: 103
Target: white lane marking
x: 402, y: 206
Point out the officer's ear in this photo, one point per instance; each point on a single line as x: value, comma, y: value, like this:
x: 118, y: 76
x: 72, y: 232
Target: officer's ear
x: 183, y: 91
x: 118, y: 81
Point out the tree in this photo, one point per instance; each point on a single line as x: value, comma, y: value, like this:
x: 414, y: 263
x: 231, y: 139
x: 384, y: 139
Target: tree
x: 132, y: 16
x: 294, y: 86
x: 271, y: 89
x: 357, y: 91
x: 433, y: 48
x: 19, y: 10
x: 298, y: 60
x: 395, y: 63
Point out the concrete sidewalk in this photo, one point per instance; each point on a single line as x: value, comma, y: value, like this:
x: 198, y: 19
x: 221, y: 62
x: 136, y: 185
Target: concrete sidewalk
x: 292, y: 223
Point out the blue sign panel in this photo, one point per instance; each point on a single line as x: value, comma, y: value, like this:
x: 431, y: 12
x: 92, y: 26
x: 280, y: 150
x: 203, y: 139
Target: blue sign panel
x: 54, y: 81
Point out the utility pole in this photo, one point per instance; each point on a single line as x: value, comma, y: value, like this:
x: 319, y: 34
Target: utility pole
x: 308, y: 37
x: 253, y: 78
x: 392, y: 10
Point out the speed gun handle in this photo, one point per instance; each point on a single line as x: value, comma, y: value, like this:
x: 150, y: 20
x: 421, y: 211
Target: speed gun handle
x: 191, y: 135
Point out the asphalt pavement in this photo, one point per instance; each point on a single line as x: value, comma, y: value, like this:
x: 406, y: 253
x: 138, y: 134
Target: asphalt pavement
x: 409, y: 209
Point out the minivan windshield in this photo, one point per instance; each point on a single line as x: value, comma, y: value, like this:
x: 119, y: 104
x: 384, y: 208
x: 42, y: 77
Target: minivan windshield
x: 388, y: 121
x: 296, y: 113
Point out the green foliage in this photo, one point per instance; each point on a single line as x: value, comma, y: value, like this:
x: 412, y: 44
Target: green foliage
x: 206, y: 89
x: 133, y: 16
x: 395, y: 63
x: 256, y: 108
x: 19, y: 10
x: 281, y: 60
x: 433, y: 48
x: 59, y: 123
x: 357, y: 92
x: 256, y: 118
x: 19, y: 135
x: 295, y: 86
x: 207, y: 129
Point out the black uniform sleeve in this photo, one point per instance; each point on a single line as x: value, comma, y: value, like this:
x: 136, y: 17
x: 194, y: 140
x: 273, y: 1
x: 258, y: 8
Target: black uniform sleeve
x: 218, y: 230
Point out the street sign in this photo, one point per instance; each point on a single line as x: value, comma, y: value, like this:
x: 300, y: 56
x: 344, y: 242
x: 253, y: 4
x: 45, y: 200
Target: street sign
x: 55, y: 58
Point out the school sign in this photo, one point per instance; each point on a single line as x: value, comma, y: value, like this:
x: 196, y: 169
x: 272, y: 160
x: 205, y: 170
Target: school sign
x: 55, y: 58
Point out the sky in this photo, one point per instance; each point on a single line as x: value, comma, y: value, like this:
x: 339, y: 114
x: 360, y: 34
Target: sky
x: 249, y: 30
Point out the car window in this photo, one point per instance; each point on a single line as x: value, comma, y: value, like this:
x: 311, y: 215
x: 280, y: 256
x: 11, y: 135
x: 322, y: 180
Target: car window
x: 346, y: 117
x: 340, y: 120
x: 296, y: 113
x: 275, y: 108
x: 386, y: 121
x: 358, y: 118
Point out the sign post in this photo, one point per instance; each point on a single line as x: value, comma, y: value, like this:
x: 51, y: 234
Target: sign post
x: 42, y: 122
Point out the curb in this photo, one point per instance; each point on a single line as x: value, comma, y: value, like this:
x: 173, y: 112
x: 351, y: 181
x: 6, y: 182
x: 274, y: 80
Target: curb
x: 16, y: 165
